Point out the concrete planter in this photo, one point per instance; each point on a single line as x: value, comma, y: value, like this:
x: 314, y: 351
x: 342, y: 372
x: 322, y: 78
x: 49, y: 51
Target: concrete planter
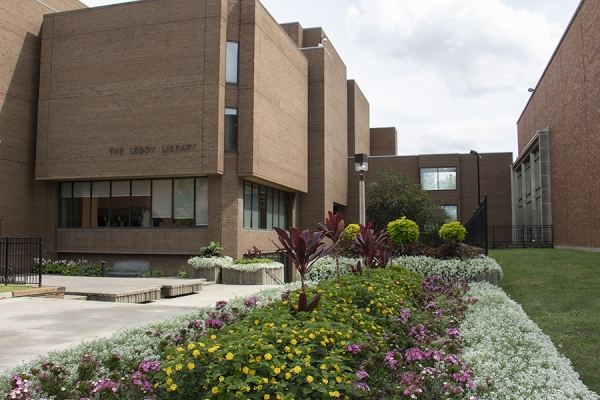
x: 491, y: 277
x: 259, y: 277
x: 210, y: 274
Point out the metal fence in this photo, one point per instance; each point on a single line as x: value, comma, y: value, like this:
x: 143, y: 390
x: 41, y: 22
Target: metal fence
x: 18, y: 260
x: 502, y: 236
x: 477, y: 227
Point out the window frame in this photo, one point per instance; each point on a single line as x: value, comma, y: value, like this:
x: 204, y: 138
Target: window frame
x: 422, y: 171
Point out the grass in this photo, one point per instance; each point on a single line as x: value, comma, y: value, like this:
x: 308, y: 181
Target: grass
x: 13, y: 288
x: 560, y: 291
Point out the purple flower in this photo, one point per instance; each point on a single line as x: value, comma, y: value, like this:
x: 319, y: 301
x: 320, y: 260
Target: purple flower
x: 362, y: 374
x: 353, y: 348
x: 220, y: 304
x: 251, y: 302
x: 362, y: 386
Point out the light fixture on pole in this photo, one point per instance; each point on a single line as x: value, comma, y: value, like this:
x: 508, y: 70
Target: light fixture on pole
x: 478, y: 177
x: 361, y: 163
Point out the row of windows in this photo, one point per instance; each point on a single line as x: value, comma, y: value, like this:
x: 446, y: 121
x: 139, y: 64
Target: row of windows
x: 144, y: 203
x: 438, y: 178
x: 264, y: 207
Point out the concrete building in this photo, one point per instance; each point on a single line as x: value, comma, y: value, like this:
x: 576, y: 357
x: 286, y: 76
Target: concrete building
x: 162, y: 125
x: 559, y: 139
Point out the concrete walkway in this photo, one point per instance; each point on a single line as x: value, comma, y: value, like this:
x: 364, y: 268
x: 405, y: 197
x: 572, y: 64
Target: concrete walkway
x: 34, y: 326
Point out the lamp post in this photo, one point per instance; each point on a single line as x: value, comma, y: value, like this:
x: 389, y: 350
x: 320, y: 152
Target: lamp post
x: 361, y: 163
x: 478, y: 177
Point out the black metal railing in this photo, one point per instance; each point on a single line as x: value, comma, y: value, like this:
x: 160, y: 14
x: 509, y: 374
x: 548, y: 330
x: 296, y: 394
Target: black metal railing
x: 502, y: 236
x: 19, y: 261
x: 477, y: 227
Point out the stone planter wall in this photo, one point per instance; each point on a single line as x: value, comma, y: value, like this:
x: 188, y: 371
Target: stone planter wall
x: 210, y: 274
x: 260, y: 277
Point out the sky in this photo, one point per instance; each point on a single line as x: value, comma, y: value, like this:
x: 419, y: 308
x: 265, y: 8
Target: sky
x: 450, y: 75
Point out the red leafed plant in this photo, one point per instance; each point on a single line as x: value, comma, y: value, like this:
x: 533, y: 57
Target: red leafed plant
x: 375, y: 249
x: 333, y: 228
x: 303, y: 249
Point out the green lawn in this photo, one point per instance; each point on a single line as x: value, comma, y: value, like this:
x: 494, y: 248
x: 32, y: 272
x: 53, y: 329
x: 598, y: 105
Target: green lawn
x: 560, y: 291
x: 13, y: 288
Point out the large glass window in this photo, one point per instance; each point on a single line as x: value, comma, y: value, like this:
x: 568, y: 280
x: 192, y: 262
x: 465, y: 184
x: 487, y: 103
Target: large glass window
x: 201, y: 201
x: 438, y: 178
x: 100, y: 204
x: 119, y: 205
x: 231, y: 63
x: 452, y: 212
x: 231, y: 129
x: 264, y: 207
x: 143, y: 203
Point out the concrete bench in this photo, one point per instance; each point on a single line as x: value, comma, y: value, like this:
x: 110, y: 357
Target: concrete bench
x: 129, y: 268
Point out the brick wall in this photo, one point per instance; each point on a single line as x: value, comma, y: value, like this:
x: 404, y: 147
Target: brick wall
x: 20, y: 24
x: 495, y: 182
x: 384, y: 141
x: 359, y: 137
x: 567, y: 101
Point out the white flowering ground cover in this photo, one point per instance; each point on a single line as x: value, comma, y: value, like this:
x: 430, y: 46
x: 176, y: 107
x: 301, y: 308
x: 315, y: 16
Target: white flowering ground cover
x: 254, y: 266
x: 450, y: 269
x: 509, y: 349
x: 209, y: 262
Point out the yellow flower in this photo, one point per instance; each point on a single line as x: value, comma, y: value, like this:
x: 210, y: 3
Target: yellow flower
x: 268, y: 356
x: 229, y: 356
x: 168, y: 382
x: 367, y: 309
x: 178, y: 367
x: 266, y: 397
x: 297, y: 351
x: 245, y: 370
x: 277, y: 370
x: 323, y: 366
x: 195, y: 353
x: 215, y: 390
x: 190, y: 365
x: 173, y: 387
x: 335, y: 393
x: 221, y: 378
x: 338, y: 379
x: 325, y: 380
x: 168, y: 371
x: 287, y: 349
x: 191, y: 346
x: 288, y: 375
x: 297, y: 369
x: 294, y: 342
x: 213, y: 337
x: 180, y: 349
x: 309, y: 379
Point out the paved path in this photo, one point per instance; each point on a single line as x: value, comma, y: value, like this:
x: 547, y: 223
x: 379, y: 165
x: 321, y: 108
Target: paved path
x: 34, y: 326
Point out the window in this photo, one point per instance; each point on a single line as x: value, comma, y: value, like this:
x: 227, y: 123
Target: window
x: 438, y: 178
x: 264, y: 207
x: 231, y: 63
x: 141, y: 203
x: 231, y: 130
x: 452, y: 212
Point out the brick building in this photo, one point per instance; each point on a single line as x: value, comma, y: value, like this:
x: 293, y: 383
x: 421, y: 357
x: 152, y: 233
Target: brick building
x: 162, y: 125
x: 559, y: 138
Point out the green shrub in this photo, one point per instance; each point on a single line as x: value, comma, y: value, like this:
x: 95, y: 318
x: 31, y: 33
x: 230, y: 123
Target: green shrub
x: 154, y: 273
x: 89, y: 270
x: 212, y: 250
x: 453, y: 231
x: 253, y: 261
x: 350, y: 232
x: 403, y: 231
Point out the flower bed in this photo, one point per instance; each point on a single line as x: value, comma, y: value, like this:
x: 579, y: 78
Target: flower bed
x: 506, y: 347
x: 385, y: 344
x: 474, y: 269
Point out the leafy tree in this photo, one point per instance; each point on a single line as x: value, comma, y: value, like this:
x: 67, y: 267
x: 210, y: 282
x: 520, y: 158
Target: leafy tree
x: 394, y: 195
x: 402, y: 231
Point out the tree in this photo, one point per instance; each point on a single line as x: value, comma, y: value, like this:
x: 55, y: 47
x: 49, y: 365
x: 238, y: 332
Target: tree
x: 394, y: 195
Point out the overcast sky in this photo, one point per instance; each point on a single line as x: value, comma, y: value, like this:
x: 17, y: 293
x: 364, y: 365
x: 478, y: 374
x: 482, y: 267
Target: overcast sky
x: 450, y: 75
